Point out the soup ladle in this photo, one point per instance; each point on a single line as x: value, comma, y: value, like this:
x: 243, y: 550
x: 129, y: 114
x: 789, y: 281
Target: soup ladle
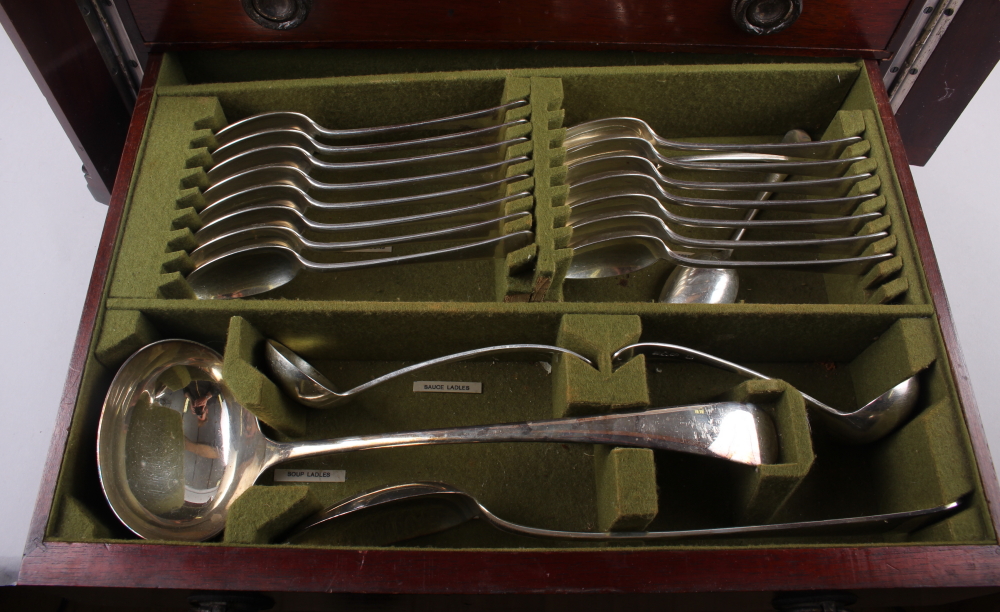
x: 251, y: 269
x: 308, y: 386
x: 873, y: 421
x: 175, y: 449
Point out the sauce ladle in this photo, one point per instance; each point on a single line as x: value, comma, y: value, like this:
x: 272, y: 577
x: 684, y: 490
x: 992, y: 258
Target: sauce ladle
x: 175, y: 449
x: 308, y: 386
x: 873, y: 421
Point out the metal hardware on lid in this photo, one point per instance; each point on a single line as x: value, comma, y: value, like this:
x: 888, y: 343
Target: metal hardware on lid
x: 278, y: 14
x: 921, y: 52
x: 765, y: 16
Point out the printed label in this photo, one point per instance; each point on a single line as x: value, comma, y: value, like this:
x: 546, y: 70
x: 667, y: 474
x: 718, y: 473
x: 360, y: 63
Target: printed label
x: 284, y: 475
x: 442, y: 386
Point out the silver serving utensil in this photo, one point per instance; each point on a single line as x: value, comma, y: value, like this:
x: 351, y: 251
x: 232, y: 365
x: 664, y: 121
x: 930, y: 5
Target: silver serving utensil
x: 647, y: 224
x: 718, y: 285
x: 304, y: 160
x: 308, y: 386
x: 628, y: 182
x: 282, y: 120
x: 264, y: 265
x: 615, y: 253
x: 291, y: 235
x: 371, y: 150
x: 290, y: 213
x: 731, y: 162
x: 175, y: 449
x: 873, y: 421
x: 615, y: 163
x: 616, y: 127
x: 278, y: 173
x: 622, y: 201
x: 457, y: 507
x: 290, y: 192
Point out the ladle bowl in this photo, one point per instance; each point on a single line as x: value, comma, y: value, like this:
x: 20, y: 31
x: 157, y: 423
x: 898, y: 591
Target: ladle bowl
x: 175, y: 449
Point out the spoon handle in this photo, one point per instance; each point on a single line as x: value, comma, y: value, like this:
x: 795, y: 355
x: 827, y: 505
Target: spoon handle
x: 730, y: 430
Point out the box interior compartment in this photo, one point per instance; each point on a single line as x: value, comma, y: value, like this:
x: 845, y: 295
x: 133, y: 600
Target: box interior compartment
x: 841, y: 338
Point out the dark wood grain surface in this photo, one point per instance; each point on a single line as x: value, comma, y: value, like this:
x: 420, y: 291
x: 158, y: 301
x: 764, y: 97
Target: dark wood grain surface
x: 56, y: 46
x: 414, y: 571
x: 935, y: 283
x: 845, y: 27
x: 966, y: 55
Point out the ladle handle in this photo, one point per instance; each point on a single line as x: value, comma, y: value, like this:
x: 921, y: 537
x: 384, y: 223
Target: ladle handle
x: 731, y: 430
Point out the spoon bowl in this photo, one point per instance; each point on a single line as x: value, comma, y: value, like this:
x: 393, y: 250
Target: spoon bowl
x: 175, y: 449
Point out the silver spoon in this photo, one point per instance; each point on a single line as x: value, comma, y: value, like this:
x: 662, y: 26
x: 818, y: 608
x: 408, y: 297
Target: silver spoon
x: 308, y: 386
x: 614, y: 127
x: 175, y: 449
x: 374, y: 150
x: 645, y: 223
x: 304, y: 160
x: 731, y: 162
x: 278, y: 173
x: 615, y: 253
x: 718, y: 285
x: 620, y: 201
x: 292, y: 235
x: 621, y: 163
x: 455, y: 507
x: 283, y: 120
x: 872, y: 421
x: 291, y: 212
x: 291, y: 191
x: 627, y: 182
x: 264, y: 265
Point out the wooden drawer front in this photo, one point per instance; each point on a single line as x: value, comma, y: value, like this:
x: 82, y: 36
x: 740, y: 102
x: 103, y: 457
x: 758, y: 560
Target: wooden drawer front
x: 850, y: 27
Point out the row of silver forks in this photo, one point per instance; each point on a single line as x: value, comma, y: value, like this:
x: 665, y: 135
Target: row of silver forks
x: 284, y: 189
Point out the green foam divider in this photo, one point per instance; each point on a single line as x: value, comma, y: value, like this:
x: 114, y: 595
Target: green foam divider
x: 261, y: 515
x: 766, y: 489
x: 582, y: 389
x: 254, y: 390
x: 626, y: 488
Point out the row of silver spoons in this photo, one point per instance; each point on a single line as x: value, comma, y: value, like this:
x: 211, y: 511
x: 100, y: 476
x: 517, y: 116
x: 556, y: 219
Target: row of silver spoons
x: 275, y: 247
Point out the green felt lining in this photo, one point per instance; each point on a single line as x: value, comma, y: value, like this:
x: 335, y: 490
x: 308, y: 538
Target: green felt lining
x: 841, y: 339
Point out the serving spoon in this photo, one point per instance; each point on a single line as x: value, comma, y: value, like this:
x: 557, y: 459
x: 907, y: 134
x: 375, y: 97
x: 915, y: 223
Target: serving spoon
x: 308, y: 386
x: 279, y: 120
x: 293, y: 192
x: 263, y: 265
x: 874, y: 420
x: 616, y: 127
x: 292, y: 234
x: 452, y: 507
x: 175, y: 449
